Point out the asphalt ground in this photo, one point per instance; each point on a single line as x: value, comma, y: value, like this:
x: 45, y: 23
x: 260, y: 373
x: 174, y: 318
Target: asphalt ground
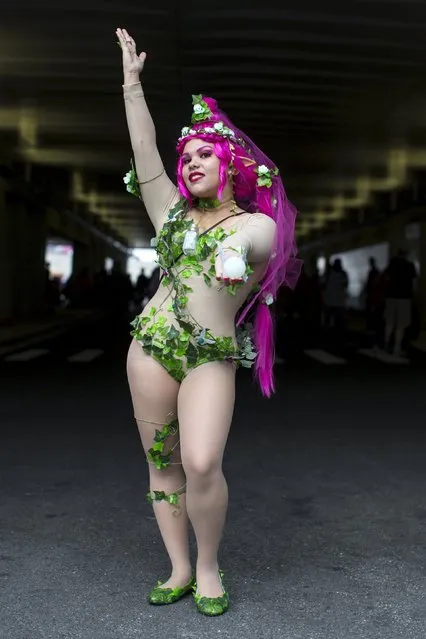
x: 326, y: 532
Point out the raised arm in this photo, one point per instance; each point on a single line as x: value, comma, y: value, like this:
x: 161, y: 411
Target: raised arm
x: 158, y: 192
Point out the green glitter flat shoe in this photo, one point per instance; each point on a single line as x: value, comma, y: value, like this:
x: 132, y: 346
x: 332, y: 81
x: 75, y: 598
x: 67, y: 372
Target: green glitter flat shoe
x: 212, y: 606
x: 162, y: 596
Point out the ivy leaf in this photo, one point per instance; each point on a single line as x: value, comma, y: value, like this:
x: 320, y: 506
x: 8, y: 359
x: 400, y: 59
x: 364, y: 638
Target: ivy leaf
x: 186, y: 273
x: 157, y: 344
x: 264, y: 180
x: 226, y: 343
x: 173, y: 499
x: 185, y: 325
x: 190, y: 260
x: 207, y: 279
x: 173, y: 333
x: 159, y: 435
x: 176, y: 209
x: 210, y: 241
x: 191, y: 354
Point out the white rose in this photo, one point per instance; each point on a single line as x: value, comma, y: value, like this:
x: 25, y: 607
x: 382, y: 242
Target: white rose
x: 198, y: 108
x: 185, y: 131
x: 127, y: 177
x: 262, y: 170
x: 209, y: 129
x: 269, y: 299
x: 128, y: 188
x: 218, y: 126
x: 192, y: 132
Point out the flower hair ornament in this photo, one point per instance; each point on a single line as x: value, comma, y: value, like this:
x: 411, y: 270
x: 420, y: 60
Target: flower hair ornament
x: 203, y: 111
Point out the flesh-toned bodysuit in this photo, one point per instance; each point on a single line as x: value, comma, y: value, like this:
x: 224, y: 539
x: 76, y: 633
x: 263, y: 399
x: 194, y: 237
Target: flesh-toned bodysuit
x: 191, y: 319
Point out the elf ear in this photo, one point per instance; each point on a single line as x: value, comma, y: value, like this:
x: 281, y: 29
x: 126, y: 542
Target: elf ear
x: 247, y: 161
x: 242, y: 158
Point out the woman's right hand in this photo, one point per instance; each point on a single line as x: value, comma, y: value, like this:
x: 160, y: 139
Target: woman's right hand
x: 132, y: 62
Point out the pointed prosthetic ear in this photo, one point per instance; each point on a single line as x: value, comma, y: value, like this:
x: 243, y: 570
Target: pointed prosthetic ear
x: 242, y: 158
x: 247, y: 161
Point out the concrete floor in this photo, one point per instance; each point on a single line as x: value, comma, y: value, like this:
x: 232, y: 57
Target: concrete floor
x: 326, y: 534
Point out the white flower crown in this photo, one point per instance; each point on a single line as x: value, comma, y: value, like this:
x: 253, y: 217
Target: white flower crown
x: 201, y: 113
x: 218, y: 128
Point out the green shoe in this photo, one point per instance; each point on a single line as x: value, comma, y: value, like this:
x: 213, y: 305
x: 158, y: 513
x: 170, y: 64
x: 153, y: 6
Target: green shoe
x: 212, y: 606
x: 162, y: 596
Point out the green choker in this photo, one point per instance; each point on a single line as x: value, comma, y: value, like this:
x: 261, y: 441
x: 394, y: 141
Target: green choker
x: 208, y: 203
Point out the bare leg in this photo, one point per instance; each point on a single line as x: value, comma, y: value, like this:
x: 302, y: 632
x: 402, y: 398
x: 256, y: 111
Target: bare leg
x: 205, y: 407
x: 154, y: 396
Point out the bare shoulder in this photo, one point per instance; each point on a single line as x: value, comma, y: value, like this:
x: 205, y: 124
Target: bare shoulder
x: 256, y: 218
x: 261, y: 221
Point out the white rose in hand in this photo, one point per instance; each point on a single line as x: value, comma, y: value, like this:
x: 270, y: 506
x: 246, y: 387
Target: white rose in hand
x: 234, y: 267
x: 230, y: 267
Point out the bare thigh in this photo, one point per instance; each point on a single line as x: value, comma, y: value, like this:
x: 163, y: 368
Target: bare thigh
x: 206, y: 404
x: 154, y: 395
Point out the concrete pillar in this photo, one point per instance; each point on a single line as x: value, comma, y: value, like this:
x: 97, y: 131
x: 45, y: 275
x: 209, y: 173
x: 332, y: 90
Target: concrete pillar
x: 6, y: 267
x: 422, y: 278
x: 31, y: 274
x: 98, y: 255
x: 81, y: 258
x: 22, y: 247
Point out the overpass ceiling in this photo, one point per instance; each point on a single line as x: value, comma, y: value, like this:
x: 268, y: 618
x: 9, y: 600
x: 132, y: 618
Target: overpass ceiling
x: 334, y: 93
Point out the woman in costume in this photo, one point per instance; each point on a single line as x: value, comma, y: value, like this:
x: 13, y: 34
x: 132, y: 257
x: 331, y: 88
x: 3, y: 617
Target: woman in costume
x: 225, y: 244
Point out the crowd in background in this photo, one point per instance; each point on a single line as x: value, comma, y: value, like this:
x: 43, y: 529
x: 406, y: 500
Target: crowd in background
x: 315, y: 313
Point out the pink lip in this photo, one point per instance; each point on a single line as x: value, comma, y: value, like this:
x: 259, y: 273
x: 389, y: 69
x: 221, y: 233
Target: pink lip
x: 194, y: 177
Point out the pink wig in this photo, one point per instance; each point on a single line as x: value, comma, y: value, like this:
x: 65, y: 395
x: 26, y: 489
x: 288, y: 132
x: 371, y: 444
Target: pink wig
x: 283, y: 267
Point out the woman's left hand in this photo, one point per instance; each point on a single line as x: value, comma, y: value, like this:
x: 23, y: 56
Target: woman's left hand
x: 220, y: 274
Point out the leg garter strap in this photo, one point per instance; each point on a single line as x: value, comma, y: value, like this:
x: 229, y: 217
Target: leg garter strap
x: 171, y: 498
x: 156, y: 454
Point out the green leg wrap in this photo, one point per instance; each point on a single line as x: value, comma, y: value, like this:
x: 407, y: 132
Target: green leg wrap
x: 171, y: 498
x: 156, y: 454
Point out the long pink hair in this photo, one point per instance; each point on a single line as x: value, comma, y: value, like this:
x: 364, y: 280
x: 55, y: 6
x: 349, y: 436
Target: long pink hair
x: 283, y: 267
